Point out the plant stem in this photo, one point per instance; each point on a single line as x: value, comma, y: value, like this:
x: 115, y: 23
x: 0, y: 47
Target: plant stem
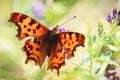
x: 97, y: 46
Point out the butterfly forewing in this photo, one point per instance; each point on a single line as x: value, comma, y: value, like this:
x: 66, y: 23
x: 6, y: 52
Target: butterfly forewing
x: 27, y: 26
x: 70, y: 40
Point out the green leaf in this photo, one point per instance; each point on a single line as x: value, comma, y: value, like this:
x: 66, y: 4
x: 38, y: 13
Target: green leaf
x: 107, y: 40
x: 106, y: 57
x: 100, y: 29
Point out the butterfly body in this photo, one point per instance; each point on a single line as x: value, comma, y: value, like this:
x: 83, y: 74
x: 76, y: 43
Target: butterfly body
x: 49, y: 42
x: 44, y: 42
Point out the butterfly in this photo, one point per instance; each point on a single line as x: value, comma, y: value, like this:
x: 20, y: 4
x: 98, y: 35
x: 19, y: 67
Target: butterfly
x: 43, y: 42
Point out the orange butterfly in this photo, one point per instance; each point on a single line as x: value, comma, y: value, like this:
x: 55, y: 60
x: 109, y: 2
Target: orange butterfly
x: 45, y: 42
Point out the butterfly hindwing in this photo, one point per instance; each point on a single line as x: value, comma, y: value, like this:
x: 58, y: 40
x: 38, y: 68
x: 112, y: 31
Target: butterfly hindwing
x: 27, y: 26
x: 34, y: 51
x: 57, y: 58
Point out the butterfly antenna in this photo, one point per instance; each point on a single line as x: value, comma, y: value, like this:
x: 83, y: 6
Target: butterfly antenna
x: 68, y: 20
x: 52, y: 14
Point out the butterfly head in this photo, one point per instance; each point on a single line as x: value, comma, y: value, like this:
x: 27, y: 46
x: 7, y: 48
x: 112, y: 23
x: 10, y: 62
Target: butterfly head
x: 59, y: 29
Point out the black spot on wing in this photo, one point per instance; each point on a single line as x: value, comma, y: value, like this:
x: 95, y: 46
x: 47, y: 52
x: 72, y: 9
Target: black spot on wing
x: 37, y: 27
x: 26, y: 34
x: 35, y: 40
x: 65, y: 42
x: 37, y: 49
x: 28, y: 30
x: 24, y: 26
x: 22, y: 17
x: 72, y: 42
x: 32, y: 22
x: 68, y: 43
x: 56, y: 57
x: 34, y: 31
x: 38, y: 42
x: 70, y: 34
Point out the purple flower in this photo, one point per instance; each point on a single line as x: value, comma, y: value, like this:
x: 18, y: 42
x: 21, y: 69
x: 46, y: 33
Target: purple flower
x: 62, y: 29
x: 113, y: 74
x: 114, y: 13
x: 114, y: 18
x: 108, y: 18
x: 38, y: 9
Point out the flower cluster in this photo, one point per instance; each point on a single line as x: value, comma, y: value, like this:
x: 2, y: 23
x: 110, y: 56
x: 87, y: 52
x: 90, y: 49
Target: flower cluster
x: 38, y: 9
x: 114, y: 17
x: 113, y: 74
x: 62, y: 29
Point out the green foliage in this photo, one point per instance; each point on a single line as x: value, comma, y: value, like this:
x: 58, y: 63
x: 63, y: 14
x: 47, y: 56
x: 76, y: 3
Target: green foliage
x: 97, y: 60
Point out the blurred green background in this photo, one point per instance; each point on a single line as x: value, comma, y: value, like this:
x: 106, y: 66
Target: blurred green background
x: 50, y: 13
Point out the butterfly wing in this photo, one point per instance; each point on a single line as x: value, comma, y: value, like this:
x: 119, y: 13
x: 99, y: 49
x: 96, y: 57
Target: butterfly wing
x: 70, y: 40
x: 57, y: 58
x: 27, y: 26
x: 34, y: 51
x: 66, y: 44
